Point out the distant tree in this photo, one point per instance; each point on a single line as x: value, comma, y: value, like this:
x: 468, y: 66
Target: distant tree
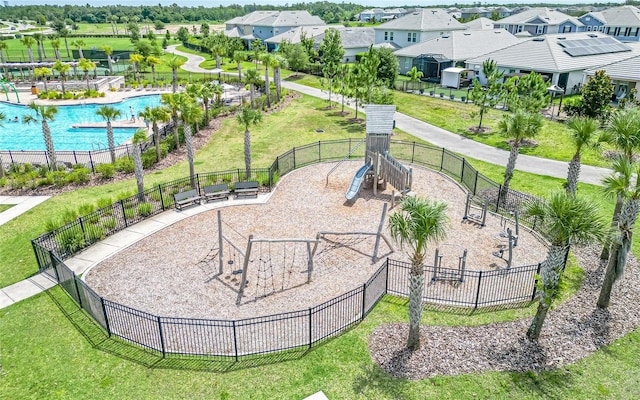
x: 86, y: 65
x: 136, y: 62
x: 584, y: 135
x: 414, y: 76
x: 370, y: 64
x: 204, y: 29
x: 62, y: 69
x: 331, y: 59
x: 155, y: 115
x: 152, y: 61
x: 55, y: 45
x: 487, y: 96
x: 297, y: 57
x: 109, y: 114
x: 239, y: 57
x: 39, y: 38
x: 182, y: 34
x: 44, y: 73
x: 257, y: 48
x: 175, y: 63
x: 109, y: 52
x: 190, y: 113
x: 252, y: 78
x: 79, y: 45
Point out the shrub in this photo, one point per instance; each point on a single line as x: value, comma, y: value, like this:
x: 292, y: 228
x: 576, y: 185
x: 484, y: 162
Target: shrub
x: 155, y: 195
x: 52, y: 225
x: 70, y: 240
x: 129, y: 214
x: 149, y: 158
x: 85, y: 208
x: 69, y: 215
x: 104, y: 202
x: 3, y: 181
x: 110, y: 223
x: 59, y: 178
x: 94, y: 233
x: 80, y: 175
x: 106, y: 171
x: 124, y: 164
x: 145, y: 209
x: 124, y: 195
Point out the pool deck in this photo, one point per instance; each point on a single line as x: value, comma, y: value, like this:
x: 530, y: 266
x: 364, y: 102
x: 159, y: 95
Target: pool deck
x: 110, y: 97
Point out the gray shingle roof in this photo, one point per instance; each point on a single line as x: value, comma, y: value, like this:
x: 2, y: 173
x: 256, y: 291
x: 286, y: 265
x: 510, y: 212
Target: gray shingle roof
x: 277, y: 18
x: 625, y: 70
x: 461, y: 45
x: 618, y: 16
x: 551, y: 17
x: 544, y: 53
x: 293, y: 35
x: 424, y: 20
x: 480, y: 23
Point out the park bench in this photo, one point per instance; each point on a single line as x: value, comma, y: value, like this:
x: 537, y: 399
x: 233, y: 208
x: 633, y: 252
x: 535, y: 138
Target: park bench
x: 246, y: 189
x: 189, y: 197
x: 216, y: 192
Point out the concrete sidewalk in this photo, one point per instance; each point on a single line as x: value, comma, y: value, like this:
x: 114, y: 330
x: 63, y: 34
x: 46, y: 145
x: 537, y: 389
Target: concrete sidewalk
x: 21, y: 204
x: 82, y: 262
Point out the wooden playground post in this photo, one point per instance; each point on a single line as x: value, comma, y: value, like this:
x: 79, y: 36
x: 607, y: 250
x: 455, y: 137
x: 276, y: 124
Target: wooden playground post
x: 379, y: 233
x: 244, y: 270
x: 220, y: 243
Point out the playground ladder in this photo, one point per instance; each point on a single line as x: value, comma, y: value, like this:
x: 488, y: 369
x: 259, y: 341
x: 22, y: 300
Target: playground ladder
x: 345, y: 158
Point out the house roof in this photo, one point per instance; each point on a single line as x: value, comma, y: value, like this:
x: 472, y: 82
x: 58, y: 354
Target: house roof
x: 461, y: 45
x: 277, y: 18
x: 294, y: 35
x: 624, y: 70
x: 551, y: 17
x: 233, y: 32
x: 353, y: 38
x: 386, y: 45
x: 423, y: 20
x: 545, y: 53
x: 617, y: 16
x: 479, y: 23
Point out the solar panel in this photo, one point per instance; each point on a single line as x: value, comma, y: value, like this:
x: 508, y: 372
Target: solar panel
x: 592, y: 46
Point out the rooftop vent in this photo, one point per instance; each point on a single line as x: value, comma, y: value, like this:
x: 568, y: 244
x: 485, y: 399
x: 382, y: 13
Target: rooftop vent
x: 592, y: 35
x: 538, y: 39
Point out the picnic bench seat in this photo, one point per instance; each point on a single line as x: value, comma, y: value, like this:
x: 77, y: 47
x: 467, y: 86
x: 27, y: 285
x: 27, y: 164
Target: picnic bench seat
x: 246, y: 189
x: 215, y: 192
x: 189, y: 197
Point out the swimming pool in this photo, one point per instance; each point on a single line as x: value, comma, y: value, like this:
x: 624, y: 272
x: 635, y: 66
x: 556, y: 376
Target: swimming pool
x: 20, y: 136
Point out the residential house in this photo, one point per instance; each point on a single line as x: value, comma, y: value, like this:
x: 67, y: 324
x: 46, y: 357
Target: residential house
x: 480, y: 23
x: 623, y: 22
x: 451, y: 50
x: 625, y: 75
x: 379, y: 14
x: 562, y: 58
x: 265, y: 24
x: 295, y: 35
x: 475, y: 12
x: 418, y: 26
x: 540, y: 21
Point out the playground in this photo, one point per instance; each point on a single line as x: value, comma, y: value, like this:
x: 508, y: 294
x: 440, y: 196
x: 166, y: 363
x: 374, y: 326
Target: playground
x: 176, y: 271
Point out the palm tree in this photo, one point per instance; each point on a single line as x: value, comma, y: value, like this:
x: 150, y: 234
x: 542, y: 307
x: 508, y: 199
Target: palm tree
x: 155, y: 115
x: 55, y: 44
x: 44, y: 114
x: 175, y: 63
x: 204, y: 92
x: 29, y: 41
x: 39, y: 38
x: 135, y: 60
x: 414, y: 76
x: 252, y: 79
x: 109, y: 114
x: 64, y: 33
x: 44, y: 73
x: 621, y: 243
x: 4, y: 47
x: 174, y: 101
x: 62, y: 69
x: 268, y: 61
x: 584, y: 134
x: 218, y: 51
x: 517, y: 126
x: 109, y: 52
x: 623, y: 130
x: 417, y: 222
x: 564, y: 221
x: 279, y: 63
x: 217, y: 93
x: 239, y: 57
x: 152, y: 61
x: 79, y: 44
x: 190, y: 113
x: 247, y: 117
x: 86, y: 65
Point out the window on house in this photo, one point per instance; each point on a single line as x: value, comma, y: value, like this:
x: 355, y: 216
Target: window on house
x: 540, y: 29
x: 391, y: 36
x: 386, y: 36
x: 407, y: 63
x: 409, y: 37
x: 616, y: 31
x: 589, y: 28
x: 520, y: 28
x: 627, y: 32
x: 414, y: 37
x: 566, y: 29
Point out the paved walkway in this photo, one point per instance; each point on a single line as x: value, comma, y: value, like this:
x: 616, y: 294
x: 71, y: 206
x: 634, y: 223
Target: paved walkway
x: 21, y: 204
x: 82, y: 262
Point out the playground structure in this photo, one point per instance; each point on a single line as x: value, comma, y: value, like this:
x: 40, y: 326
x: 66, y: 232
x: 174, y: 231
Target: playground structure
x: 507, y: 239
x: 5, y: 83
x: 448, y: 273
x: 380, y: 167
x: 475, y: 210
x: 280, y: 264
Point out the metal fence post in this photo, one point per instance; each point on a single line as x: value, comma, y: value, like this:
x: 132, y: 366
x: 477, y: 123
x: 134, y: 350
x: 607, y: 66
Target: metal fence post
x: 161, y: 337
x: 235, y: 340
x: 498, y: 200
x: 535, y: 283
x: 442, y: 159
x: 161, y: 197
x: 75, y: 157
x: 91, y: 163
x: 319, y: 152
x: 475, y: 183
x: 462, y: 170
x: 124, y: 215
x: 294, y: 158
x: 106, y: 319
x: 475, y: 307
x: 413, y: 152
x: 310, y: 327
x: 364, y: 298
x: 386, y: 278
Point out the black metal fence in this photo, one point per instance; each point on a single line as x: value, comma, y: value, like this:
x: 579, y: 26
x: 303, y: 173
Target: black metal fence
x: 291, y: 330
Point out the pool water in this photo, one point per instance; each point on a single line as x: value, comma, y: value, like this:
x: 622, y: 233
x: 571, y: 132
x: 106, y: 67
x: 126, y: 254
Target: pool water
x: 21, y: 136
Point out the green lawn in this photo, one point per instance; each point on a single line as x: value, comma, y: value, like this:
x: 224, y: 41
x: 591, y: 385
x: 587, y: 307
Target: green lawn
x: 5, y: 207
x: 50, y: 351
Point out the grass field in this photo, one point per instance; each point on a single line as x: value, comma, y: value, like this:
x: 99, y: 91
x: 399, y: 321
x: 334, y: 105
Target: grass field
x: 5, y: 207
x: 50, y: 349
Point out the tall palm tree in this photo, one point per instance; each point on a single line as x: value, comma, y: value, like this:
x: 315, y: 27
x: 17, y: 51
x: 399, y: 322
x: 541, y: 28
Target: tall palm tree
x: 39, y: 38
x: 64, y: 34
x: 55, y: 44
x: 621, y: 243
x: 4, y: 47
x: 584, y: 134
x: 279, y: 63
x: 135, y: 60
x: 86, y: 65
x: 175, y: 63
x: 616, y: 185
x: 623, y: 131
x: 62, y: 69
x: 79, y: 44
x: 43, y: 115
x: 109, y: 114
x: 29, y: 41
x: 152, y: 61
x: 44, y: 73
x: 268, y: 61
x: 239, y: 57
x: 417, y: 223
x: 414, y: 76
x: 252, y: 79
x: 109, y: 52
x: 174, y: 101
x: 564, y: 221
x: 517, y: 126
x: 247, y: 117
x: 190, y: 113
x: 205, y: 93
x: 217, y: 91
x: 155, y: 115
x: 218, y: 50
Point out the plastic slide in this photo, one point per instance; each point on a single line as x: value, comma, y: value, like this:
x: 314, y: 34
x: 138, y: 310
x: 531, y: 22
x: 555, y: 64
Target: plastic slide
x: 357, y: 182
